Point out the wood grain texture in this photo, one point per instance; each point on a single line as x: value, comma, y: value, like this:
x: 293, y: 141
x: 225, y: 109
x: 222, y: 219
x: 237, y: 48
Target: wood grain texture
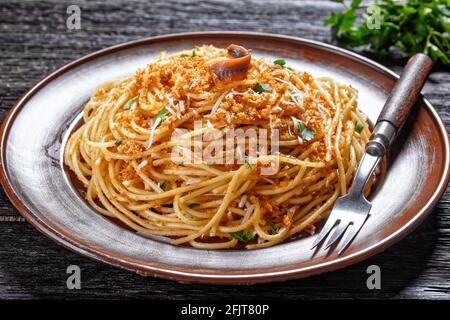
x: 404, y: 95
x: 34, y: 41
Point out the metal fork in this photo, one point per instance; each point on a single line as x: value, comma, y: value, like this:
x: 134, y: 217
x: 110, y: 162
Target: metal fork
x: 351, y: 211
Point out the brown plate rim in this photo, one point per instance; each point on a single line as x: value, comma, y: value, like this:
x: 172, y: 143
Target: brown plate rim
x: 215, y: 277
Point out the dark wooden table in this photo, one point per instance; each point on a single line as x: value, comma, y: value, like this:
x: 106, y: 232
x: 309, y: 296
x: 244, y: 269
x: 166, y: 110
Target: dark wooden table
x: 35, y: 41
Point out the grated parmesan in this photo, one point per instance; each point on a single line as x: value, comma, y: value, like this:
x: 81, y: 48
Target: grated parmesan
x: 142, y: 164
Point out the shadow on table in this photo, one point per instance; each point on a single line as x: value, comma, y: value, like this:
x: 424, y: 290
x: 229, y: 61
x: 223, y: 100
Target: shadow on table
x: 34, y: 267
x: 401, y: 266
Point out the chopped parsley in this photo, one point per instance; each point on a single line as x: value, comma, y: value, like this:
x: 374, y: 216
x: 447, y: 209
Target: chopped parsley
x: 405, y: 27
x: 259, y: 126
x: 130, y: 102
x: 306, y: 133
x: 183, y: 55
x: 118, y: 142
x: 280, y: 62
x: 193, y: 205
x: 359, y: 127
x: 272, y: 226
x: 162, y: 114
x: 164, y: 185
x: 262, y: 87
x: 194, y: 53
x: 243, y: 236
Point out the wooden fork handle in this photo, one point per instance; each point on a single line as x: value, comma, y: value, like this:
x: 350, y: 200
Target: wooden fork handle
x: 399, y: 104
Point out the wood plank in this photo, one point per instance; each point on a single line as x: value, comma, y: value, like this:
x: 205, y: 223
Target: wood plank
x: 31, y: 266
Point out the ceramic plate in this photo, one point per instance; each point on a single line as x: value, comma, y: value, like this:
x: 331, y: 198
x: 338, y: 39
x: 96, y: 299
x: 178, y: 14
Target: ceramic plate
x: 33, y: 176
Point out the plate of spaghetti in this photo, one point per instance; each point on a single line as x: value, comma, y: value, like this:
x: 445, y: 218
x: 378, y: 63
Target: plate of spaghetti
x: 215, y: 157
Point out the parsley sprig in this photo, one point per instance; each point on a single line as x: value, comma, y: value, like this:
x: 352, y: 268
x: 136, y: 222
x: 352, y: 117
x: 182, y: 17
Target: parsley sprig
x: 262, y: 87
x: 280, y: 62
x: 411, y: 27
x: 307, y: 134
x: 161, y: 114
x: 273, y: 228
x: 243, y: 236
x: 359, y: 127
x: 164, y: 185
x: 130, y: 103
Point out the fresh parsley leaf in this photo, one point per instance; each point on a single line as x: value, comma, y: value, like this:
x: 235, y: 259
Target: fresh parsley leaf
x: 307, y: 134
x: 183, y: 55
x: 359, y: 127
x: 164, y: 185
x: 130, y: 103
x: 243, y: 236
x: 355, y: 4
x: 194, y: 53
x: 161, y: 114
x: 262, y: 87
x: 280, y: 62
x: 289, y: 68
x: 193, y: 205
x: 118, y: 142
x: 273, y: 228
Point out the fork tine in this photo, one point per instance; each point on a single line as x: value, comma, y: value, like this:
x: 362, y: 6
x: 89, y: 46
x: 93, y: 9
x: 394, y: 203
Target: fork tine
x: 324, y: 232
x: 352, y: 232
x: 337, y: 233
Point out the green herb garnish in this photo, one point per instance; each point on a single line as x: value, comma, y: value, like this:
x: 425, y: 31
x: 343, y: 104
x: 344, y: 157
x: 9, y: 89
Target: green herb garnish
x: 194, y: 53
x: 259, y: 126
x: 412, y: 26
x: 242, y: 236
x: 118, y: 142
x: 162, y: 114
x: 193, y: 205
x: 164, y: 185
x: 130, y: 103
x: 306, y: 133
x: 183, y: 55
x: 359, y: 127
x: 272, y: 226
x: 262, y: 87
x: 280, y: 62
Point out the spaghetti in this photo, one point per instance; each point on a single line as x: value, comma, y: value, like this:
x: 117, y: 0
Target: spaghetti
x: 123, y: 152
